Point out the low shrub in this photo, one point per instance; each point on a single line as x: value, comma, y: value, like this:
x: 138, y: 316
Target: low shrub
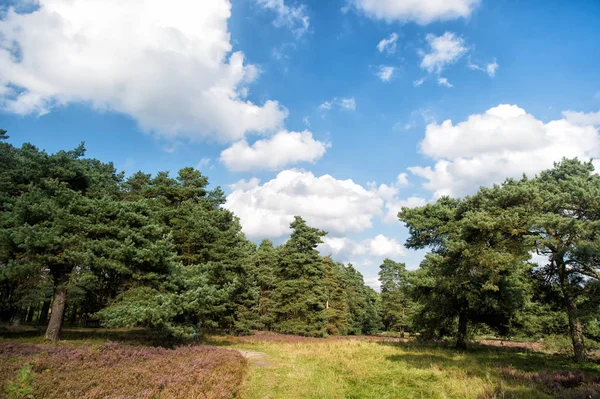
x: 113, y: 370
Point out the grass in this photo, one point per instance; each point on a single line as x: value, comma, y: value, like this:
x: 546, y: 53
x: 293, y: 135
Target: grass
x: 288, y: 367
x: 363, y: 368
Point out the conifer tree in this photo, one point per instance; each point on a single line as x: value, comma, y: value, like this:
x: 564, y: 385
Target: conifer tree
x: 300, y: 296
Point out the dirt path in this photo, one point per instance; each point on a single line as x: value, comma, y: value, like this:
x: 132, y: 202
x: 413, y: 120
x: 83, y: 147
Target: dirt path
x: 257, y: 359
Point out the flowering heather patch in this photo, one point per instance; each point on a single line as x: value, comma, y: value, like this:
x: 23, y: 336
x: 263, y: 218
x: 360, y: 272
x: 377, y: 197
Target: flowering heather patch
x: 119, y: 371
x: 574, y: 384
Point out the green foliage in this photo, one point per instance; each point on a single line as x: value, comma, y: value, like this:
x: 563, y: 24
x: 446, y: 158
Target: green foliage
x: 397, y: 306
x: 300, y: 296
x: 20, y: 387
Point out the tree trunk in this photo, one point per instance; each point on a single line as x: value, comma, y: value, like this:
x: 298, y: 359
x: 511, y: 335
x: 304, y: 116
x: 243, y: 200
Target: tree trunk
x: 575, y: 329
x: 461, y: 337
x: 43, y: 319
x: 17, y: 317
x: 57, y: 313
x: 401, y: 332
x: 30, y: 314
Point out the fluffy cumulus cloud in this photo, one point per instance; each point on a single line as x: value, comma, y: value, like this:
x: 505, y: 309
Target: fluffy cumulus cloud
x: 283, y: 149
x: 337, y: 206
x: 291, y: 17
x: 385, y: 72
x: 346, y: 249
x: 582, y: 118
x: 168, y: 66
x: 420, y: 11
x: 443, y: 50
x: 388, y: 44
x: 505, y: 141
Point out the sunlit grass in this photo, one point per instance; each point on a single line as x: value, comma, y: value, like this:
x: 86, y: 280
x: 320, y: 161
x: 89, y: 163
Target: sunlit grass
x: 362, y: 369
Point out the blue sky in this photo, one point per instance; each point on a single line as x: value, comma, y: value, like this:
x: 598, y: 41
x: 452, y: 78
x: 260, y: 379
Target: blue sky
x: 339, y: 111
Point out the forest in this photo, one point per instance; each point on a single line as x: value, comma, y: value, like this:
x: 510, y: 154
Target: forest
x: 82, y: 243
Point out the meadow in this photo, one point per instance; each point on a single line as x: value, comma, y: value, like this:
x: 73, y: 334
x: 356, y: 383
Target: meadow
x: 87, y: 364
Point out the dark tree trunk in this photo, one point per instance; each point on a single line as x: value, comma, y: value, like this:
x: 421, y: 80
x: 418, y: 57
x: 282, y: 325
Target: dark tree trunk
x: 401, y: 332
x: 57, y: 313
x: 17, y: 317
x: 576, y: 332
x: 30, y: 314
x: 575, y: 328
x: 43, y: 319
x: 461, y: 337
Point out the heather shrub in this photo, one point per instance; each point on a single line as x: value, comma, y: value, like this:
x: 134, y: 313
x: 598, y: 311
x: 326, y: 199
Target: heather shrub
x: 116, y: 371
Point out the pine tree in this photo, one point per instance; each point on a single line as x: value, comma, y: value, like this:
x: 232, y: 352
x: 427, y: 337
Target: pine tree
x: 300, y: 296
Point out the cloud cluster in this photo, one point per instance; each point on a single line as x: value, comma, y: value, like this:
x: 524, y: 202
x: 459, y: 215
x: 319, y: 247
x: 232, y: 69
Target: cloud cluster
x: 344, y: 103
x: 505, y: 141
x: 419, y: 11
x: 388, y: 44
x: 169, y: 67
x: 282, y: 149
x: 345, y: 249
x: 385, y: 72
x: 489, y: 68
x: 293, y: 18
x: 337, y: 206
x: 443, y: 51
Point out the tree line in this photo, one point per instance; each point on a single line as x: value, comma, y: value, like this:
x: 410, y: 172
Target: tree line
x: 79, y: 242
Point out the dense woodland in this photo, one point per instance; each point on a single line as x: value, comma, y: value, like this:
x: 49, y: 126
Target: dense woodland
x: 81, y: 242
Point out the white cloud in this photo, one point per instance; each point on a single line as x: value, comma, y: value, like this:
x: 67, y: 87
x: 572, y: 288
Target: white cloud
x: 169, y: 67
x: 373, y: 282
x: 245, y: 184
x: 419, y: 82
x: 293, y: 18
x: 345, y: 249
x: 582, y: 118
x: 444, y: 82
x: 283, y: 149
x: 388, y: 44
x: 393, y: 206
x: 204, y: 163
x: 326, y: 106
x: 489, y: 68
x: 420, y: 11
x: 402, y: 180
x: 337, y: 206
x: 504, y: 141
x: 306, y: 121
x: 385, y: 72
x: 443, y: 50
x: 348, y: 103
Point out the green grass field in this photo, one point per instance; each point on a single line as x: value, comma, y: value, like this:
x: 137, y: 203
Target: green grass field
x: 294, y: 367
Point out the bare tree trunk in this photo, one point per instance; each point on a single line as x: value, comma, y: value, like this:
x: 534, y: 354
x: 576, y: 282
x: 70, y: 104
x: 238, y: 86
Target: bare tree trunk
x: 43, y: 319
x: 575, y: 328
x: 17, y: 317
x: 461, y: 337
x: 57, y: 313
x: 576, y: 331
x: 30, y: 314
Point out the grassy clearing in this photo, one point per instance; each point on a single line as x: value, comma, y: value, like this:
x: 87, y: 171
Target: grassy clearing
x: 358, y: 368
x: 284, y: 367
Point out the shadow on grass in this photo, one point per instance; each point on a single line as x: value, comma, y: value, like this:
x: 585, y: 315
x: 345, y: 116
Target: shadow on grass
x: 509, y: 368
